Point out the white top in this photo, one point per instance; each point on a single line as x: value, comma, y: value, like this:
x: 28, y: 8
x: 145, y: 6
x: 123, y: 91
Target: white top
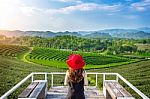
x: 84, y: 75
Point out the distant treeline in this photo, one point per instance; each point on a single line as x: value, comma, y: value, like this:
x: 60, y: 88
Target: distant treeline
x: 105, y: 45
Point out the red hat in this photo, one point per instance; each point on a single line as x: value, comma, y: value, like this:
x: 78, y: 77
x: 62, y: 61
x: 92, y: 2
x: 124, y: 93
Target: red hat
x: 75, y: 61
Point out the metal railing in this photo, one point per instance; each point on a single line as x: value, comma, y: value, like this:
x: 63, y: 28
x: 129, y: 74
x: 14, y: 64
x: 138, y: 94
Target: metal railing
x: 118, y: 77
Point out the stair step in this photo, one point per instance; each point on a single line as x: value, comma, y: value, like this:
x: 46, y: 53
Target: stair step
x: 60, y: 92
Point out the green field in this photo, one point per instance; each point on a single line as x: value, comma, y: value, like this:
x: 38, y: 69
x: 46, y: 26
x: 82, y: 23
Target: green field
x: 143, y: 46
x: 13, y: 50
x: 13, y: 70
x: 144, y: 50
x: 57, y: 58
x: 137, y: 74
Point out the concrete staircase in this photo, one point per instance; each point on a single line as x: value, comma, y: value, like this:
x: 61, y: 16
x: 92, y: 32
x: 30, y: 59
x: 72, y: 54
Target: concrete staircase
x: 60, y: 92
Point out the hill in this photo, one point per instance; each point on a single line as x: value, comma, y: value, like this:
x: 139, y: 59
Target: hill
x: 110, y: 46
x: 134, y: 35
x: 13, y: 70
x: 57, y: 58
x: 10, y: 68
x: 139, y: 33
x: 98, y: 35
x: 45, y: 34
x: 13, y: 50
x: 145, y: 29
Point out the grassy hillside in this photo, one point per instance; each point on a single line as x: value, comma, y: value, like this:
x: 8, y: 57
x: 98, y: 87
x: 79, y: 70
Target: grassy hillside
x: 13, y: 70
x: 143, y: 50
x: 143, y: 46
x: 13, y: 50
x: 57, y: 58
x: 137, y: 73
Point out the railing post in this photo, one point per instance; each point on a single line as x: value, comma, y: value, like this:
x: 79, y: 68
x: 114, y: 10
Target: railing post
x: 104, y: 89
x: 104, y: 79
x: 96, y: 79
x: 46, y: 84
x: 46, y: 76
x: 117, y: 78
x: 52, y: 81
x: 32, y: 77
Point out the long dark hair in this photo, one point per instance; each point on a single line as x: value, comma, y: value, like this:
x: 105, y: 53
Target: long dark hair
x: 76, y: 75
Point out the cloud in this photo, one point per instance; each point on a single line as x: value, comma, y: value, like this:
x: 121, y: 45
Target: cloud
x: 29, y: 11
x: 85, y: 7
x: 110, y: 14
x: 141, y: 6
x: 47, y: 18
x: 90, y: 6
x: 130, y: 16
x: 76, y: 1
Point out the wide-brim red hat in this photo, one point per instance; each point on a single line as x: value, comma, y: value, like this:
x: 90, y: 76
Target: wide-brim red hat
x: 75, y: 61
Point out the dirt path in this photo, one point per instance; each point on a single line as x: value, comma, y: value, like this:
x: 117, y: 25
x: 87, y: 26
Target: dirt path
x: 24, y: 59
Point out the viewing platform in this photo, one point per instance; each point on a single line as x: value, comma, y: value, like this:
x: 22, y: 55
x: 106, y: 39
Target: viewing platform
x: 46, y: 86
x: 60, y: 92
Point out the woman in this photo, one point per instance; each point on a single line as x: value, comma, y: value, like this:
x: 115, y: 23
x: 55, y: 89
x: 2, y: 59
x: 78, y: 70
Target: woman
x: 76, y: 77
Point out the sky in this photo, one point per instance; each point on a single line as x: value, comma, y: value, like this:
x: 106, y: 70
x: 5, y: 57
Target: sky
x: 73, y: 15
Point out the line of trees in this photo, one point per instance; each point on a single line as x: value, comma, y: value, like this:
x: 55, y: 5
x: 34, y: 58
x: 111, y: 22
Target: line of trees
x: 105, y: 45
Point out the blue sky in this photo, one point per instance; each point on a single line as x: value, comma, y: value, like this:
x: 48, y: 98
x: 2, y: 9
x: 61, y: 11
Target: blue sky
x: 73, y: 15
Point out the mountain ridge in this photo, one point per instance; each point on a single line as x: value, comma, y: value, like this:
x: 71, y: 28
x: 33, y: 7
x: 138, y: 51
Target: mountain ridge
x: 143, y: 32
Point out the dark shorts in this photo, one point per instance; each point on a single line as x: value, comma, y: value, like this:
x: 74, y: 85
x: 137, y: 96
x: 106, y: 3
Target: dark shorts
x: 75, y: 95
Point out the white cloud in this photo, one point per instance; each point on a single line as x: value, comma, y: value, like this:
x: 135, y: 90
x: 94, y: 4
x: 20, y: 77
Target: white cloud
x: 130, y: 16
x: 7, y: 7
x: 76, y: 1
x: 141, y: 6
x: 18, y: 15
x: 29, y: 11
x: 50, y: 19
x: 85, y: 7
x: 110, y: 14
x: 81, y: 7
x: 8, y: 12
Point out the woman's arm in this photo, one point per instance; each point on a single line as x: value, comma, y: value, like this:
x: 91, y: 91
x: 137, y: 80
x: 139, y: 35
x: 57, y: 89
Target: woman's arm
x: 85, y: 79
x: 66, y: 78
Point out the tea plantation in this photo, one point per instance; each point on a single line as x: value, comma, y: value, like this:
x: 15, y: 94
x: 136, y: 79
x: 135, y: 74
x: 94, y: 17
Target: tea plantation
x: 57, y: 58
x: 13, y: 70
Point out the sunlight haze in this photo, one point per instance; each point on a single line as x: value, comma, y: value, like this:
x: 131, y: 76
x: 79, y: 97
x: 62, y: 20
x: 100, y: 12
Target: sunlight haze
x: 73, y: 15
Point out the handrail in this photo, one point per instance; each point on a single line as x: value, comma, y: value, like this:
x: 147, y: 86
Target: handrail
x: 65, y: 73
x: 133, y: 87
x: 118, y: 76
x: 16, y: 86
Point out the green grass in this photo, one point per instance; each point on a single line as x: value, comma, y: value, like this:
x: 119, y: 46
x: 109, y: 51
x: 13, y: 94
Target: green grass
x: 143, y: 46
x: 13, y: 70
x: 137, y: 74
x: 57, y: 58
x: 13, y: 50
